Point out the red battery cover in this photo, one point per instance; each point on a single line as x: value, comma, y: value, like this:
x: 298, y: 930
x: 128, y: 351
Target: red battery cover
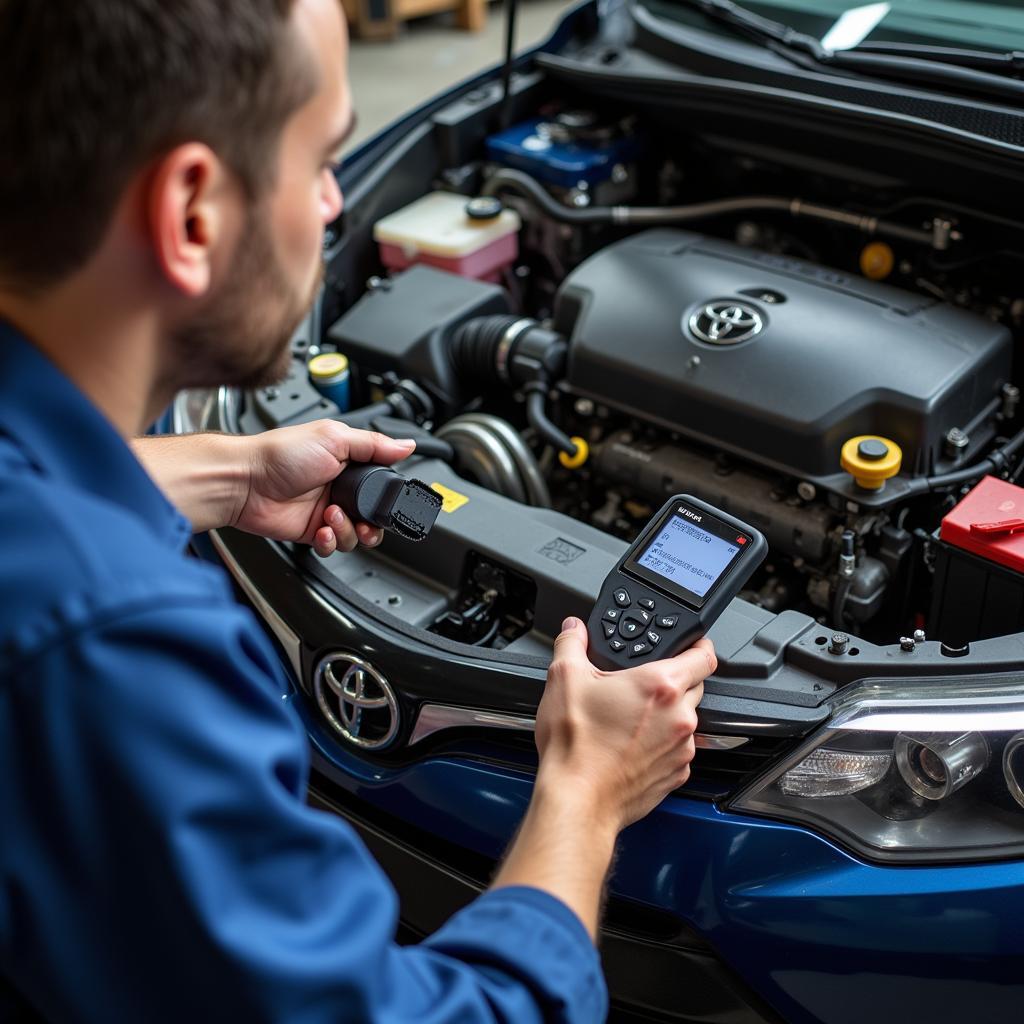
x: 989, y: 522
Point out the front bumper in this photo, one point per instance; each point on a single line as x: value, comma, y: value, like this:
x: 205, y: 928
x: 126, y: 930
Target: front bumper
x: 657, y: 969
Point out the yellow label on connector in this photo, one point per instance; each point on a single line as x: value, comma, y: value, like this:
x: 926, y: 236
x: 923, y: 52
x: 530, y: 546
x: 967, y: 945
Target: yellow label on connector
x: 450, y: 500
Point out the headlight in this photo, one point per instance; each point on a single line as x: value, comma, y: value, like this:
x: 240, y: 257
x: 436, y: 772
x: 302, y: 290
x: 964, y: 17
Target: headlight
x: 929, y: 770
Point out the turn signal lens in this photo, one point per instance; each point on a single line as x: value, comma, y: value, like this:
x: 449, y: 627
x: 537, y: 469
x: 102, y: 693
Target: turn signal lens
x: 827, y: 772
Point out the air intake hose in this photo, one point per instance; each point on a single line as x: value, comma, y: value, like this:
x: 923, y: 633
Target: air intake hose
x: 515, y: 352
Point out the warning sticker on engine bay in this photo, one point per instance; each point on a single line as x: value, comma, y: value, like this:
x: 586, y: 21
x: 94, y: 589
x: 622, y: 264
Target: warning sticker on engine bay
x: 450, y: 500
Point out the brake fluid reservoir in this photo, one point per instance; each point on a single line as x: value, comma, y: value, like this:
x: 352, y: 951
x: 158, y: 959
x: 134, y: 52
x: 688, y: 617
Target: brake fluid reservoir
x: 473, y: 238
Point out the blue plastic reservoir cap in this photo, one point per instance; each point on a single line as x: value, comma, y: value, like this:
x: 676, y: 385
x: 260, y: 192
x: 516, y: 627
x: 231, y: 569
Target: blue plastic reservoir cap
x: 564, y: 164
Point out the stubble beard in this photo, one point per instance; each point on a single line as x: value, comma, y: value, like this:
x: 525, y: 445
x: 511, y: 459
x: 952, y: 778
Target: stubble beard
x: 242, y: 338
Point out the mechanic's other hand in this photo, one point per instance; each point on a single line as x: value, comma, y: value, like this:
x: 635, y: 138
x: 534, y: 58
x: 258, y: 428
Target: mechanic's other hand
x: 290, y: 473
x: 625, y: 739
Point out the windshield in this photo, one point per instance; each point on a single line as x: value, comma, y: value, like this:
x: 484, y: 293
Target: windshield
x: 996, y: 25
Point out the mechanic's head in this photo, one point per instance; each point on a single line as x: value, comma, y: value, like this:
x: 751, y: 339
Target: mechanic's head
x: 176, y: 155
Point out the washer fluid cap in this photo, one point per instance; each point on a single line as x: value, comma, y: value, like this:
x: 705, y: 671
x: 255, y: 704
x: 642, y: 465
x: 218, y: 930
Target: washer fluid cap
x: 327, y: 365
x: 871, y: 460
x: 484, y: 208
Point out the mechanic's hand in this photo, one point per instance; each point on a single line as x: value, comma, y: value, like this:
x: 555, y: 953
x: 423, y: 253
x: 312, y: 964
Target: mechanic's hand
x: 291, y: 470
x: 625, y: 737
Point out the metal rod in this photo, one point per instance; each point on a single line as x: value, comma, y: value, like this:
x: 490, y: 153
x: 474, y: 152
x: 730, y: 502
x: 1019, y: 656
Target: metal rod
x: 511, y: 8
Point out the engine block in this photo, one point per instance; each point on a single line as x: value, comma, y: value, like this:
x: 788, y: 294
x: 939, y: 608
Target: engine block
x: 772, y: 358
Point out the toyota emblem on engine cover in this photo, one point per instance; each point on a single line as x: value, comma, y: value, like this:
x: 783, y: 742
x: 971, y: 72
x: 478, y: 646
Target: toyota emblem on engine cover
x: 357, y: 700
x: 726, y: 323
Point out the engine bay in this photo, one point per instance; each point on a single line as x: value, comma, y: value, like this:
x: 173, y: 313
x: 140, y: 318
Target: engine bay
x: 584, y: 313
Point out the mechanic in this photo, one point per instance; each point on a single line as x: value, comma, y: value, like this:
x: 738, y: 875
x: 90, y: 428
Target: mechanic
x: 166, y: 173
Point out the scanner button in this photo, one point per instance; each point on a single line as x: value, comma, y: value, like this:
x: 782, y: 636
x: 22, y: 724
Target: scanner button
x: 640, y: 648
x: 652, y: 638
x: 630, y: 628
x: 610, y: 629
x: 622, y: 598
x: 667, y: 621
x: 646, y: 602
x: 612, y: 615
x: 616, y: 645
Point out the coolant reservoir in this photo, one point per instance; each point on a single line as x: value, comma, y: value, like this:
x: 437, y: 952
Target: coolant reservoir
x: 438, y: 230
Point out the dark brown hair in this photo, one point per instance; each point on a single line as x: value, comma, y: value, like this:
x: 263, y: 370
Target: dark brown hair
x: 91, y: 90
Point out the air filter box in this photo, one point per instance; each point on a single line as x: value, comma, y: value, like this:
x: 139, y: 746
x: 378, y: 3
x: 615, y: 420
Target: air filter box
x: 404, y: 325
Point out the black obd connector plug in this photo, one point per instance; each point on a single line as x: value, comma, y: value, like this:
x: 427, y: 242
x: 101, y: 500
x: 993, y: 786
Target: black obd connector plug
x: 377, y: 495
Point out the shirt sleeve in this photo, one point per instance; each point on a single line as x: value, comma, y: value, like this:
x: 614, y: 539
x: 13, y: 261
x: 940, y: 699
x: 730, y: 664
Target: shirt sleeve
x: 168, y: 868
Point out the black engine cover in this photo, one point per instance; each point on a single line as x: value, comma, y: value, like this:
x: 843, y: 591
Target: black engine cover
x: 773, y: 358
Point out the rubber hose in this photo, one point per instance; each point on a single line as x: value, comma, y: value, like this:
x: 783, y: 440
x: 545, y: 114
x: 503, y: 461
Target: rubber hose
x: 839, y: 602
x: 474, y: 353
x: 538, y: 419
x: 637, y: 215
x: 474, y: 347
x: 529, y: 187
x: 996, y: 462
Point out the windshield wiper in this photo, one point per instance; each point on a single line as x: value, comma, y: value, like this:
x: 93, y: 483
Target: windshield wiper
x: 930, y: 65
x: 1010, y: 62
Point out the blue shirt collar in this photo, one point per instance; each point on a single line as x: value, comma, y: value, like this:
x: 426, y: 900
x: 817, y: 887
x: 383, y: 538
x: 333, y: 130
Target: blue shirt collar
x: 67, y: 438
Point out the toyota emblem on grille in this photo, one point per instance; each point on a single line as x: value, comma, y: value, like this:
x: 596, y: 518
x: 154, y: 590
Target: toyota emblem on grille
x: 726, y: 323
x: 357, y: 700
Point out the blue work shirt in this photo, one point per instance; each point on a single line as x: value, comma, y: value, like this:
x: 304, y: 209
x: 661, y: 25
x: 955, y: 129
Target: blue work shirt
x: 157, y: 859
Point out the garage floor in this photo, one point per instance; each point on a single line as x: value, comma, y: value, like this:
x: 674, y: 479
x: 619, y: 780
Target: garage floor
x: 431, y: 55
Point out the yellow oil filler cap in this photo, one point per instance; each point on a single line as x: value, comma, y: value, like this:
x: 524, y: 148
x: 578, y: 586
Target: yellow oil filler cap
x: 578, y: 457
x: 871, y: 460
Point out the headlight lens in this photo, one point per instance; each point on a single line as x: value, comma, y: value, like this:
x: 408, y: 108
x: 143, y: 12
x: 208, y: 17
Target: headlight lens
x: 932, y: 770
x: 937, y: 764
x: 1013, y: 767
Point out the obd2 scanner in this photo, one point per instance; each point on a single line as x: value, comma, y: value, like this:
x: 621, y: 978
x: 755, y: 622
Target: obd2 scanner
x: 672, y: 583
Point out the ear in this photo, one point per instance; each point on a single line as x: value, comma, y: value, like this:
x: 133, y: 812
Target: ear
x: 188, y: 211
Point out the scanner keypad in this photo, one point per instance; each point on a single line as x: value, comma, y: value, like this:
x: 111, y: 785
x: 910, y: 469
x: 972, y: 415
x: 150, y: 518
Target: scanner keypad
x: 632, y: 626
